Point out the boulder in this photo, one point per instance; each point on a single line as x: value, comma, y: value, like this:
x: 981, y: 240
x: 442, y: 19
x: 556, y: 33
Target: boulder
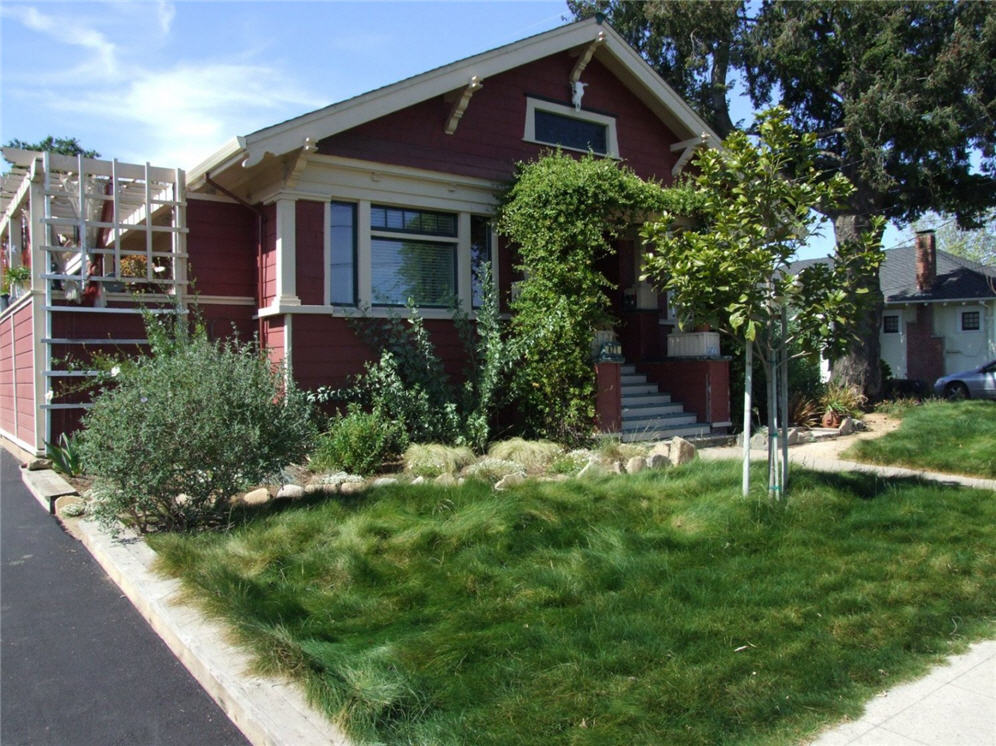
x: 510, y: 480
x: 445, y: 480
x: 681, y: 451
x: 319, y: 488
x: 616, y: 467
x: 636, y: 464
x: 351, y: 488
x: 758, y: 441
x: 70, y: 506
x: 295, y: 474
x: 37, y: 464
x: 661, y: 448
x: 419, y: 480
x: 290, y: 492
x: 384, y: 481
x: 591, y: 469
x: 257, y: 496
x: 846, y: 426
x: 658, y: 461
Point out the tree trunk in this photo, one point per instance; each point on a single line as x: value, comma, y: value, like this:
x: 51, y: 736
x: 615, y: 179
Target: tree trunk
x: 859, y: 366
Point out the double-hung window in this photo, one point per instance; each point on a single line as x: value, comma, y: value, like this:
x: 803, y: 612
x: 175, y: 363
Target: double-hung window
x: 413, y: 255
x: 480, y: 253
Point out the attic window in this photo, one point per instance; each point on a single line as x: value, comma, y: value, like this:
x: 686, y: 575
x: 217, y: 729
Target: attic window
x: 548, y: 123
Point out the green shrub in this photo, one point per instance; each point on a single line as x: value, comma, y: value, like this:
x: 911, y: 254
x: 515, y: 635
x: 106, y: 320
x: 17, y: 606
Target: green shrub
x: 181, y: 429
x: 533, y: 456
x: 433, y: 459
x: 65, y: 455
x: 491, y: 470
x: 570, y: 463
x: 358, y: 442
x: 842, y: 399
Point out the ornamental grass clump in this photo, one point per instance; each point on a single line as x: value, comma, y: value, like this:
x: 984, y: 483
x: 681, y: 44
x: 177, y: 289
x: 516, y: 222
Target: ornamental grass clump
x: 534, y: 456
x: 174, y: 433
x: 433, y: 459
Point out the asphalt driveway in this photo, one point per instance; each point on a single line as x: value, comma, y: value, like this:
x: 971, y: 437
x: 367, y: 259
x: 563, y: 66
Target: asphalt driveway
x: 78, y: 664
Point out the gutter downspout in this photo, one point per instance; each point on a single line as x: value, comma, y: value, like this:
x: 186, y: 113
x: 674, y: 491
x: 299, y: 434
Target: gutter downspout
x: 260, y: 219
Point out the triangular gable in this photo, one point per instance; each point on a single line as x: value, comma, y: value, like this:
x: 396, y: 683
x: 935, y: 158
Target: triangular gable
x: 592, y: 34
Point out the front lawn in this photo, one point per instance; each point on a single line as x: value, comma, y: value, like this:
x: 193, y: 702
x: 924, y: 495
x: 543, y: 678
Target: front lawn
x: 953, y: 437
x: 658, y: 608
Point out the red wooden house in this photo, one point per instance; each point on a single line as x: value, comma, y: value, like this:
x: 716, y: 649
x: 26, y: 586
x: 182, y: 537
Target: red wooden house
x: 347, y: 210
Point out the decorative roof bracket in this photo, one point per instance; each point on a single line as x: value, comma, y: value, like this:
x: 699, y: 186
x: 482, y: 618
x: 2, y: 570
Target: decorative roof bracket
x: 293, y: 172
x: 688, y: 148
x: 585, y: 58
x: 460, y: 105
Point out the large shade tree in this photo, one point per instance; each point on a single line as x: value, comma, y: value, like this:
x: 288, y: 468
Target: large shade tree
x: 901, y: 96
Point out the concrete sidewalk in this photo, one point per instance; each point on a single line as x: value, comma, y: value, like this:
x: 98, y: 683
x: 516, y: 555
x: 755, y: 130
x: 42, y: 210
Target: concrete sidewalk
x: 953, y: 705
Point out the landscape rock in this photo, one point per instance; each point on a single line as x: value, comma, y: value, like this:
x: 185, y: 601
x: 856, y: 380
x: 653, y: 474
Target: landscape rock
x: 681, y: 451
x: 591, y: 469
x: 419, y: 480
x: 846, y: 426
x: 795, y: 436
x: 445, y: 480
x: 510, y: 480
x: 661, y: 448
x: 290, y: 492
x: 658, y: 461
x: 758, y: 441
x: 258, y: 496
x: 384, y: 481
x: 351, y: 488
x: 37, y: 464
x: 636, y: 464
x: 295, y: 474
x: 616, y: 467
x: 69, y: 504
x: 318, y: 488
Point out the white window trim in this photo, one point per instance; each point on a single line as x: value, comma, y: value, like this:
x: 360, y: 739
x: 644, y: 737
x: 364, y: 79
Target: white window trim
x: 961, y: 320
x: 534, y: 104
x: 364, y: 271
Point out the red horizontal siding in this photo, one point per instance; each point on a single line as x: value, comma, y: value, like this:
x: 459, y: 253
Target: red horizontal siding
x: 273, y: 338
x: 327, y: 352
x: 268, y: 268
x: 310, y: 257
x: 488, y: 140
x: 222, y: 248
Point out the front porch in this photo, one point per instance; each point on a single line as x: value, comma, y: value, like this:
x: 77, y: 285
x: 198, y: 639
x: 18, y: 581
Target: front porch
x: 668, y: 383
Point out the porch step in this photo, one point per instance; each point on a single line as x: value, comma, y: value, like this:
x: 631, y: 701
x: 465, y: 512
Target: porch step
x: 690, y: 431
x: 648, y: 414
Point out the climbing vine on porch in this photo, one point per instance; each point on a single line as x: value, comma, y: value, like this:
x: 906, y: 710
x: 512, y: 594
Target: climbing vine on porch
x: 563, y: 213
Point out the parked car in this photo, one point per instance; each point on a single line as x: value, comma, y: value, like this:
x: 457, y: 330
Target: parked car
x: 978, y: 383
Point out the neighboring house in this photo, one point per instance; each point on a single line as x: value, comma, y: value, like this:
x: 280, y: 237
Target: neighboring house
x: 940, y: 312
x: 290, y: 231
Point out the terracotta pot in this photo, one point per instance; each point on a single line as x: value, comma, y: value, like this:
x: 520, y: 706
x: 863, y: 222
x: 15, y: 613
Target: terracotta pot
x: 830, y: 419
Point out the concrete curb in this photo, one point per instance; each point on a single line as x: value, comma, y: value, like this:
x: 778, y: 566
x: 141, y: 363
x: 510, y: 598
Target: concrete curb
x: 268, y: 711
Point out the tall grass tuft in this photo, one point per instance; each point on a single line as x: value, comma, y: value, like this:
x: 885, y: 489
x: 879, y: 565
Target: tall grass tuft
x: 434, y: 459
x: 533, y: 455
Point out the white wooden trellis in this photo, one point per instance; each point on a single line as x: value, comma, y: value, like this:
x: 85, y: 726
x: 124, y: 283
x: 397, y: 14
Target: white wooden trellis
x: 110, y: 211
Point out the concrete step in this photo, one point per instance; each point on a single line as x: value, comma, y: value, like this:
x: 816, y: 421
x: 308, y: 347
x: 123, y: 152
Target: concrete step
x: 632, y: 378
x: 659, y: 423
x: 689, y: 431
x: 627, y: 370
x: 636, y: 389
x: 652, y: 410
x: 640, y: 400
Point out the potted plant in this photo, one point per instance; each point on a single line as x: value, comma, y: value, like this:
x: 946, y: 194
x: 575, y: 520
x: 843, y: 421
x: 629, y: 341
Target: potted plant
x: 13, y: 277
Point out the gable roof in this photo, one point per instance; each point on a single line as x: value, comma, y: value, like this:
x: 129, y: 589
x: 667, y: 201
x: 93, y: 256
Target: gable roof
x: 957, y: 278
x: 612, y: 50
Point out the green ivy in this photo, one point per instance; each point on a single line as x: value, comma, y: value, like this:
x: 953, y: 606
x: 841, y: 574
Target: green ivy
x: 564, y: 214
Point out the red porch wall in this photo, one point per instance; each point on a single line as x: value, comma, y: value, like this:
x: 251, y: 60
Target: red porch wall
x: 24, y: 373
x: 608, y: 397
x: 274, y: 338
x: 924, y: 351
x: 488, y: 140
x: 7, y: 374
x: 702, y: 386
x: 310, y: 256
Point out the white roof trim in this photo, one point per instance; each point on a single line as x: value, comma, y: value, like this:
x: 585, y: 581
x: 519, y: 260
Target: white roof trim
x: 290, y: 135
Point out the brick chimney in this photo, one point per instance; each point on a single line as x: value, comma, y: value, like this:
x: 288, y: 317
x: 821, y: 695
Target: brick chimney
x: 926, y: 261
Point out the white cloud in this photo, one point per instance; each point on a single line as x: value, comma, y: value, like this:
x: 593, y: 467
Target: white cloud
x: 172, y: 115
x: 166, y: 12
x: 67, y: 31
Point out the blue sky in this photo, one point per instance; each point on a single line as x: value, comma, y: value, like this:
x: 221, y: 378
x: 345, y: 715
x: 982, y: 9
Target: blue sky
x: 169, y: 82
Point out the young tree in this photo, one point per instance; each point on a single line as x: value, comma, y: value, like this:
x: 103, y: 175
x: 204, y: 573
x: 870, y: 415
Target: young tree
x: 730, y: 268
x: 899, y: 94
